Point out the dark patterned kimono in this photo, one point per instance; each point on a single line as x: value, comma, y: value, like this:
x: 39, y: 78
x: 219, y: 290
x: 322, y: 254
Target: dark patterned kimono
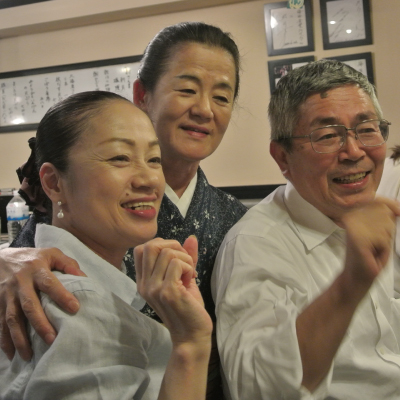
x: 211, y: 214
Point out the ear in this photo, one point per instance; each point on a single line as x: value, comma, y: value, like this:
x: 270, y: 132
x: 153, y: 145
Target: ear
x: 139, y: 95
x: 50, y: 179
x: 280, y: 155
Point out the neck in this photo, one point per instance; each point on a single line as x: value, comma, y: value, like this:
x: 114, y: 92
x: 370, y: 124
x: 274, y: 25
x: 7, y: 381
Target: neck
x: 178, y: 174
x: 112, y: 253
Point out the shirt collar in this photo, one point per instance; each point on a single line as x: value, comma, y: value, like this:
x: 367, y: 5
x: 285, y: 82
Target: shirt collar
x: 312, y: 225
x: 184, y: 201
x: 96, y: 268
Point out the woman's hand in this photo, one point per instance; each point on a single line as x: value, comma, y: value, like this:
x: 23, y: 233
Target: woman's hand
x: 166, y: 274
x: 23, y: 272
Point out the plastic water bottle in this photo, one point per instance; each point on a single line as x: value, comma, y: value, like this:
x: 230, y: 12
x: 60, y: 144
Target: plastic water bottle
x: 17, y: 215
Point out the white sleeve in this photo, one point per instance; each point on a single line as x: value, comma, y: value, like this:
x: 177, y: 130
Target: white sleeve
x: 259, y: 293
x: 98, y: 353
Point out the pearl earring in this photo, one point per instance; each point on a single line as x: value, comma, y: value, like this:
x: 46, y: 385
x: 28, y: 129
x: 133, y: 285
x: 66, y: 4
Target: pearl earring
x: 60, y: 213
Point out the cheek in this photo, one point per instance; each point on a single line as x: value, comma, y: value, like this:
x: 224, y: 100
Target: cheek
x: 160, y: 183
x: 378, y: 155
x: 223, y: 120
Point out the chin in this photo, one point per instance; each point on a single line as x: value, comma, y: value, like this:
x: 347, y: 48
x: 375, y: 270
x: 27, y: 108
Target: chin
x: 145, y: 236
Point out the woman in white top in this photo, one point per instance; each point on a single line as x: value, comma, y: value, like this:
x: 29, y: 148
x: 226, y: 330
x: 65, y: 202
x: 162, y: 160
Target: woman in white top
x: 100, y: 167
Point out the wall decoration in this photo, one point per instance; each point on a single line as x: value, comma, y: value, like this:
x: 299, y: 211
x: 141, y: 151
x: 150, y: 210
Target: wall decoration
x: 279, y: 68
x: 17, y: 3
x: 345, y: 23
x: 26, y: 95
x: 288, y: 30
x: 361, y: 62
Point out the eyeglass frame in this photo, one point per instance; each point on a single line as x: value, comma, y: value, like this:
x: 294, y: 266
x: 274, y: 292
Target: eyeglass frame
x: 345, y: 136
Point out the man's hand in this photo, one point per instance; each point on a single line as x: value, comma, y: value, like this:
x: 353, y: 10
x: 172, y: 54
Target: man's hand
x: 322, y: 325
x: 370, y: 231
x: 23, y: 272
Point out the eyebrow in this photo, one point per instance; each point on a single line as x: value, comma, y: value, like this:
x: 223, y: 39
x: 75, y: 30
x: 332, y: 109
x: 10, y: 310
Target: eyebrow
x: 323, y: 121
x: 130, y: 142
x: 195, y: 79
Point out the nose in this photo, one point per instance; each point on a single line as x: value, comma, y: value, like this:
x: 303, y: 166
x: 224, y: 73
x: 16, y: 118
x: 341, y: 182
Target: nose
x: 145, y: 178
x: 352, y: 148
x: 202, y: 107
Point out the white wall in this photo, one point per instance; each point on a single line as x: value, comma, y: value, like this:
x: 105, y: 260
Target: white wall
x: 243, y: 157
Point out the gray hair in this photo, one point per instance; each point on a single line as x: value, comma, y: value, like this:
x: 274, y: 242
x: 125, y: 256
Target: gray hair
x: 294, y: 88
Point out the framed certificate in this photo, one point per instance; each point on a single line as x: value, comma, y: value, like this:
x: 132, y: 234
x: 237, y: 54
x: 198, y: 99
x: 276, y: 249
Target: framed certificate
x: 345, y: 23
x: 361, y: 62
x: 26, y: 95
x: 288, y: 30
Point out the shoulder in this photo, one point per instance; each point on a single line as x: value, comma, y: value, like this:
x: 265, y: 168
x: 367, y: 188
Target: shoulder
x: 227, y: 199
x: 269, y: 214
x: 100, y: 310
x: 84, y: 289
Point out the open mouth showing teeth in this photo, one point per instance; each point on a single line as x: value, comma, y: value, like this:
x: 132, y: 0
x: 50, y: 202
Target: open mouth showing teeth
x: 195, y: 130
x: 138, y: 206
x: 351, y: 178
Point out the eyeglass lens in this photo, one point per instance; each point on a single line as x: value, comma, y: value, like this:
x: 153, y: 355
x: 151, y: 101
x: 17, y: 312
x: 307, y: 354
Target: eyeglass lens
x: 331, y: 138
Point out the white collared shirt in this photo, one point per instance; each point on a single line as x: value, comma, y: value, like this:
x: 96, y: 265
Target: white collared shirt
x: 107, y: 350
x: 272, y: 264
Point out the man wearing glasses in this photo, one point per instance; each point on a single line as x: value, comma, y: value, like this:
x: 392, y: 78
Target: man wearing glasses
x: 303, y: 284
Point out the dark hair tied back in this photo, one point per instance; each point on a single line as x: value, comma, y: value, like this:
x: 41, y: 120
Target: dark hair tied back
x: 31, y: 189
x: 58, y: 131
x: 156, y: 56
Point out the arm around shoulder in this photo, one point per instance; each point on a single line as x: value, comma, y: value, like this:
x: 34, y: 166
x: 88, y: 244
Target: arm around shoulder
x: 23, y: 271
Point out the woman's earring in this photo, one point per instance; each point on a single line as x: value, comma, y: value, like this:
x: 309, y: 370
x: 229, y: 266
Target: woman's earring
x: 60, y: 213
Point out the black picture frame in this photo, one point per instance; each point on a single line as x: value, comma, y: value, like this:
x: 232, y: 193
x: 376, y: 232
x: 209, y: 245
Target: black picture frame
x: 279, y: 68
x: 362, y: 62
x: 17, y: 3
x: 345, y: 23
x: 49, y: 76
x: 289, y: 35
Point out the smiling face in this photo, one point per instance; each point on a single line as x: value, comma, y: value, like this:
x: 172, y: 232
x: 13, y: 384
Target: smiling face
x: 192, y: 103
x: 336, y: 182
x: 114, y: 184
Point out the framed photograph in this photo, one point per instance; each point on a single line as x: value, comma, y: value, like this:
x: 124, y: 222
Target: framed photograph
x: 288, y: 30
x: 26, y: 95
x: 279, y: 68
x: 361, y: 62
x: 345, y: 23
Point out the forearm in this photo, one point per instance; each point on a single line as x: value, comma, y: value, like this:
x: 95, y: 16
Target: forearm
x: 322, y: 326
x: 186, y: 374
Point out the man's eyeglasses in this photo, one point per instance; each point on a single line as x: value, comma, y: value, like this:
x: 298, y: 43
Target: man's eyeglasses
x: 331, y: 138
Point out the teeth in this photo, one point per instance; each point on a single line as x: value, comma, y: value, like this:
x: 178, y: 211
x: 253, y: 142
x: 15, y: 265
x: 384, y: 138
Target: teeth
x: 196, y: 130
x: 351, y: 178
x: 139, y: 206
